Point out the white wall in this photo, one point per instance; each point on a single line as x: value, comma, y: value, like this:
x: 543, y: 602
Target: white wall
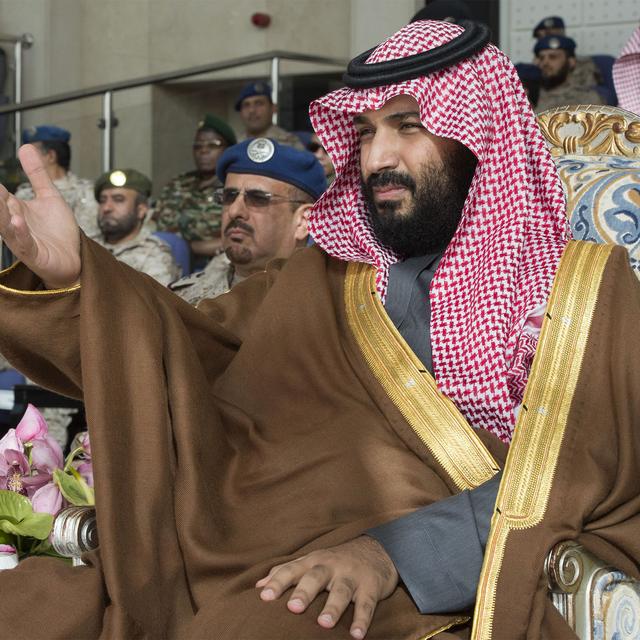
x: 374, y: 20
x: 83, y: 43
x: 597, y: 26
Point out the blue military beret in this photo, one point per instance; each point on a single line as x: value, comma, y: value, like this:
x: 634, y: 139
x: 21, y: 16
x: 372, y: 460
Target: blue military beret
x: 253, y: 89
x: 266, y: 157
x: 550, y: 22
x: 556, y: 42
x: 45, y: 133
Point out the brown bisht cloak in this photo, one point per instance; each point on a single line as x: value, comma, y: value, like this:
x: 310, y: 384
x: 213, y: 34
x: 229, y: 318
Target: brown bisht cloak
x: 287, y: 417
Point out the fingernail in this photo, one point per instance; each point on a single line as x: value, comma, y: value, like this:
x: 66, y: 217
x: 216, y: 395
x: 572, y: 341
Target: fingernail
x: 326, y: 618
x: 296, y: 603
x: 357, y: 633
x: 267, y: 594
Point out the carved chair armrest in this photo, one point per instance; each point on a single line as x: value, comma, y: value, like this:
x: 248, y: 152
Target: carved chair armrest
x: 74, y: 532
x: 597, y: 601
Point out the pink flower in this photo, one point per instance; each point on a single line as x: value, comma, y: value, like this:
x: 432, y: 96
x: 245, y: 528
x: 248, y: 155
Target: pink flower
x: 32, y: 426
x: 84, y: 443
x: 15, y: 474
x: 46, y: 455
x: 47, y: 499
x: 85, y: 469
x: 10, y: 441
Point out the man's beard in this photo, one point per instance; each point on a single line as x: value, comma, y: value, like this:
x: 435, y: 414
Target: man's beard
x: 549, y: 82
x: 236, y: 252
x: 437, y: 199
x: 114, y: 229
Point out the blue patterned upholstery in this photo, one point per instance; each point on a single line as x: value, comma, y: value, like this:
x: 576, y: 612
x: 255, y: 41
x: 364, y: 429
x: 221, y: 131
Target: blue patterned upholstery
x: 603, y: 200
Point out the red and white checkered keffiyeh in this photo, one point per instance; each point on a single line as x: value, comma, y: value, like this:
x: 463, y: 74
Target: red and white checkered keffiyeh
x: 497, y: 272
x: 626, y: 74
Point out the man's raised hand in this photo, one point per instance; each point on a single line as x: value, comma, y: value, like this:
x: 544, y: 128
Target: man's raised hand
x: 359, y: 571
x: 43, y: 232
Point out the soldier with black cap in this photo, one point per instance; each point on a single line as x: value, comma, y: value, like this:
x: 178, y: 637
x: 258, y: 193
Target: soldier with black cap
x: 256, y: 110
x: 53, y: 144
x: 585, y: 72
x: 556, y: 57
x: 122, y: 197
x: 186, y: 204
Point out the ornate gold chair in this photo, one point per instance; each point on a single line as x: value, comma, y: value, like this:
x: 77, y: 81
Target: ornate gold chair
x: 597, y: 152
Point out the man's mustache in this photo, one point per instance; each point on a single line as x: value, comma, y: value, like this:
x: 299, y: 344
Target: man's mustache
x: 391, y: 179
x: 236, y: 223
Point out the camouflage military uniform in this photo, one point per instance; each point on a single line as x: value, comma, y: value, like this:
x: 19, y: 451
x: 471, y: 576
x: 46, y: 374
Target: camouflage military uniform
x: 564, y: 94
x: 78, y: 194
x: 148, y: 254
x: 283, y: 137
x: 184, y: 208
x: 218, y: 277
x: 585, y: 73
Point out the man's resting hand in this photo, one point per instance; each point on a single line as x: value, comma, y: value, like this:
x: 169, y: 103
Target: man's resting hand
x: 43, y: 232
x: 358, y: 571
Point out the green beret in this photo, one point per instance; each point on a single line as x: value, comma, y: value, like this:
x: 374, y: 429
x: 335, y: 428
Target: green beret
x: 213, y: 123
x: 127, y: 178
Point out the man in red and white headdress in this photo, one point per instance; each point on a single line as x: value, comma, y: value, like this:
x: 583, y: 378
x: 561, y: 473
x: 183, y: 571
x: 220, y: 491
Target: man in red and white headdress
x: 342, y: 421
x: 626, y: 74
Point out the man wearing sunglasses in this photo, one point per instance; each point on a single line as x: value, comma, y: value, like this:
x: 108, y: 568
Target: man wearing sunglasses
x: 268, y: 191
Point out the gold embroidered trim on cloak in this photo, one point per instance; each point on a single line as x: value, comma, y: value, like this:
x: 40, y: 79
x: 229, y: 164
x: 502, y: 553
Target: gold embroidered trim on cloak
x: 533, y: 455
x: 433, y: 417
x: 44, y: 292
x: 454, y: 623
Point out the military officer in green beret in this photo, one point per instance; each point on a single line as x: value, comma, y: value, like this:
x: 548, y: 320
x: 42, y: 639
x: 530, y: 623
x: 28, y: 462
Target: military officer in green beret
x: 123, y: 207
x: 186, y: 204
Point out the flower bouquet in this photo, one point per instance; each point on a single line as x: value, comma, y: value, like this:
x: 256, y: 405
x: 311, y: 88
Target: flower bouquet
x: 36, y: 482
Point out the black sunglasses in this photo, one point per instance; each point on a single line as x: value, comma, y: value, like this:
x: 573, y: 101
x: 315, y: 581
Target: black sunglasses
x: 254, y: 198
x: 314, y: 146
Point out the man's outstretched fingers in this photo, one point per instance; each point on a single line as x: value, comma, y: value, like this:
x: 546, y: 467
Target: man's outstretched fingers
x: 310, y: 585
x: 340, y: 596
x: 364, y: 605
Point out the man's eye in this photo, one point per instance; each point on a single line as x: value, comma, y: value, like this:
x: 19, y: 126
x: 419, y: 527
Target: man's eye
x: 409, y: 126
x: 365, y: 132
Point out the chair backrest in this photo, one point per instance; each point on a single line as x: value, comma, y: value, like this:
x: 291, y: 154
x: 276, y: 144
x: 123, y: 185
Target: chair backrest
x: 597, y: 152
x: 179, y: 248
x: 605, y: 66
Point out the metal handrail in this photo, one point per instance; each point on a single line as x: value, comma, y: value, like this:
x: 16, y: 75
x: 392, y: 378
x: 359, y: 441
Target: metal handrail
x: 165, y: 77
x: 107, y: 90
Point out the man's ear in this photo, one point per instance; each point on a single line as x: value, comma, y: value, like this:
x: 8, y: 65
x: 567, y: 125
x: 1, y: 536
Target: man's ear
x: 572, y: 63
x: 301, y: 221
x: 50, y: 157
x: 142, y: 209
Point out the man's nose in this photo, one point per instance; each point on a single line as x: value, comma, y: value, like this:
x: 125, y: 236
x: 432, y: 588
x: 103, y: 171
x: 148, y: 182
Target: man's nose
x: 380, y: 154
x: 237, y: 208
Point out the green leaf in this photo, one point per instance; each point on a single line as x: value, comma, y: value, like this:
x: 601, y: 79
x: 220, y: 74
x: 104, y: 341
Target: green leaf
x: 18, y: 518
x: 74, y: 488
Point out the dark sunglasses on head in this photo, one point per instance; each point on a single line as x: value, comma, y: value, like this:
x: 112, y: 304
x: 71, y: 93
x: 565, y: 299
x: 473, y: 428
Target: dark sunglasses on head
x: 255, y: 198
